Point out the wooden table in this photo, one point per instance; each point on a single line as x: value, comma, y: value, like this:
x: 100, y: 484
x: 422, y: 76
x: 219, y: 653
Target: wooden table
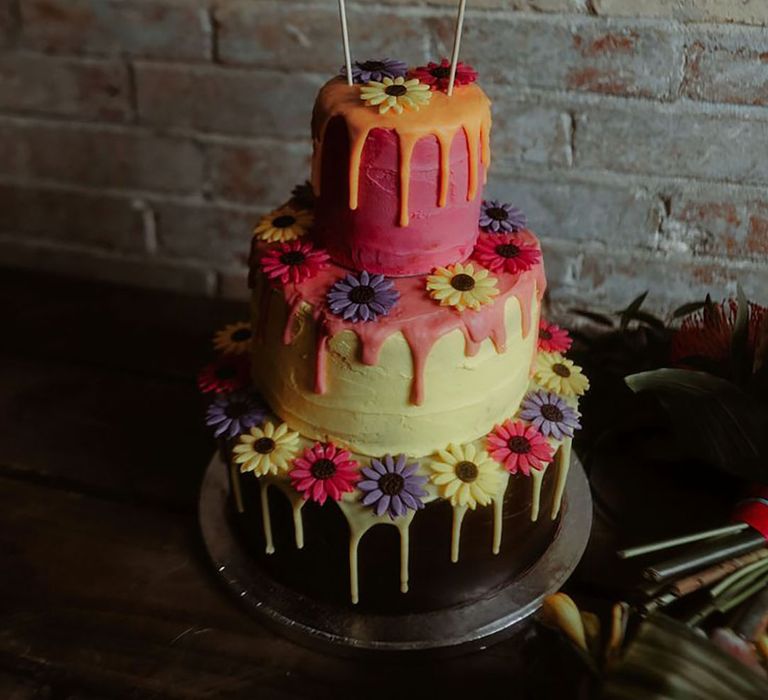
x: 105, y: 591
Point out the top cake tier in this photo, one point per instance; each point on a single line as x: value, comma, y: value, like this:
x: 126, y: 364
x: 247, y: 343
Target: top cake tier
x: 399, y: 194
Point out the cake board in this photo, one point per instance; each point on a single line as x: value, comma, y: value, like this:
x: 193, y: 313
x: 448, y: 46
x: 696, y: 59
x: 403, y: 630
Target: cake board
x: 453, y: 630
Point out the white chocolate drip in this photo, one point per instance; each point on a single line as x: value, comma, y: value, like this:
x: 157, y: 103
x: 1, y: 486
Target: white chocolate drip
x: 563, y: 459
x: 458, y: 516
x: 537, y: 476
x: 297, y: 503
x: 237, y: 492
x: 265, y: 517
x: 360, y: 519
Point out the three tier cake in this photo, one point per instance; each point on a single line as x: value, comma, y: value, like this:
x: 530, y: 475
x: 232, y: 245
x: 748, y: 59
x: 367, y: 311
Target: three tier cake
x: 396, y: 370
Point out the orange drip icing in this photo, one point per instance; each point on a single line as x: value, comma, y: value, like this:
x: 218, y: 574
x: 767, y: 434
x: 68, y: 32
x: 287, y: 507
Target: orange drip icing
x: 468, y: 109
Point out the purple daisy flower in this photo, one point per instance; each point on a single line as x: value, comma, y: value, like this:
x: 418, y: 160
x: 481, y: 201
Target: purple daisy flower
x: 500, y: 217
x: 550, y: 414
x: 362, y: 298
x: 232, y: 414
x: 366, y: 71
x: 390, y: 485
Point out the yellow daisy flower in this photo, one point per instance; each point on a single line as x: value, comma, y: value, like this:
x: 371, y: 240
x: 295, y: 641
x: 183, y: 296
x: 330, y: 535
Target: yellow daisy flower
x: 234, y: 339
x: 465, y: 475
x: 559, y: 374
x: 396, y: 94
x: 283, y: 224
x: 462, y: 286
x: 266, y: 450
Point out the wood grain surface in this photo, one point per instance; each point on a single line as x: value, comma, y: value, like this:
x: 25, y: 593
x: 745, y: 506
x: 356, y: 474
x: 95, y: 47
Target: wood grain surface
x: 105, y: 590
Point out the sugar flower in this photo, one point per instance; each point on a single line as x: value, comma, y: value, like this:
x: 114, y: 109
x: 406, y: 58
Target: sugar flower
x: 550, y: 414
x: 462, y: 286
x: 293, y: 261
x: 506, y: 253
x: 232, y: 414
x: 234, y: 339
x: 552, y: 338
x: 437, y: 75
x: 366, y: 71
x: 283, y: 224
x: 266, y: 450
x: 395, y: 94
x: 499, y: 217
x: 362, y: 297
x: 519, y: 447
x: 324, y: 470
x: 559, y: 374
x: 391, y: 485
x: 465, y: 475
x: 227, y: 373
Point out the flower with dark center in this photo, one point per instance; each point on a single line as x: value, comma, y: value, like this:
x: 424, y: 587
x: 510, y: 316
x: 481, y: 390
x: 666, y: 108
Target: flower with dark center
x: 437, y: 75
x: 507, y: 252
x: 376, y: 70
x: 226, y: 374
x: 390, y: 485
x: 396, y: 95
x: 552, y: 338
x: 234, y: 339
x: 266, y: 450
x: 556, y: 373
x: 518, y: 446
x: 462, y: 286
x: 465, y: 475
x: 362, y: 297
x: 232, y: 414
x: 284, y: 224
x: 293, y: 262
x: 303, y: 196
x: 550, y: 414
x: 500, y: 217
x: 323, y: 471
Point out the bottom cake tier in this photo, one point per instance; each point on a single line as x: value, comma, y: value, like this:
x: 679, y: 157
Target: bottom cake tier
x: 388, y: 578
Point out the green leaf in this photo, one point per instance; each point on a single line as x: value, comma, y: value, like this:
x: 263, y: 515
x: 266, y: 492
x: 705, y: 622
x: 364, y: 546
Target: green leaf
x: 649, y: 319
x: 630, y: 312
x: 687, y: 309
x: 593, y: 316
x: 713, y: 418
x: 668, y: 660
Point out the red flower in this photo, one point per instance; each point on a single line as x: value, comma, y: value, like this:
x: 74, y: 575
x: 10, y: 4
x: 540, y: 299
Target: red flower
x: 506, y: 252
x: 437, y: 75
x: 518, y: 446
x: 707, y: 333
x: 552, y: 338
x: 225, y: 374
x: 324, y: 470
x: 293, y: 261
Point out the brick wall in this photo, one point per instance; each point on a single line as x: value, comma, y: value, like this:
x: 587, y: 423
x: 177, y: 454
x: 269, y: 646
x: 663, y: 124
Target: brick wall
x: 140, y: 139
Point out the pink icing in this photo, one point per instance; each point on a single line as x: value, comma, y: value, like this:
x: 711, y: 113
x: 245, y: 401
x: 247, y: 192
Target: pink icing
x: 370, y: 237
x: 420, y: 319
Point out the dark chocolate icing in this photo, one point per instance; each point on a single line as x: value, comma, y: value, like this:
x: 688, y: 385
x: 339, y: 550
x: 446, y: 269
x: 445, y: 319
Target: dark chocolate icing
x: 321, y: 569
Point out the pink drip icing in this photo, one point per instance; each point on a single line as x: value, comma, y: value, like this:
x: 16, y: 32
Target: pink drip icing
x: 421, y: 320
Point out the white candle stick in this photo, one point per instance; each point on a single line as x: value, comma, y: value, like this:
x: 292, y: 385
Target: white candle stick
x: 456, y: 45
x: 345, y: 40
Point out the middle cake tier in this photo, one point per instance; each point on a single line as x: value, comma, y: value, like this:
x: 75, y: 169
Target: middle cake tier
x: 411, y: 382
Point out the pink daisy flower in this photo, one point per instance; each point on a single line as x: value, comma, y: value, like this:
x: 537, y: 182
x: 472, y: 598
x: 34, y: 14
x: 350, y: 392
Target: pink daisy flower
x: 506, y: 252
x: 324, y: 470
x: 293, y: 261
x: 438, y: 75
x: 552, y: 338
x: 518, y: 446
x: 225, y: 374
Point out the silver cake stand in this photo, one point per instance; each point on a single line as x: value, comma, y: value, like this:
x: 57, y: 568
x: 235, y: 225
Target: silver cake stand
x: 451, y: 630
